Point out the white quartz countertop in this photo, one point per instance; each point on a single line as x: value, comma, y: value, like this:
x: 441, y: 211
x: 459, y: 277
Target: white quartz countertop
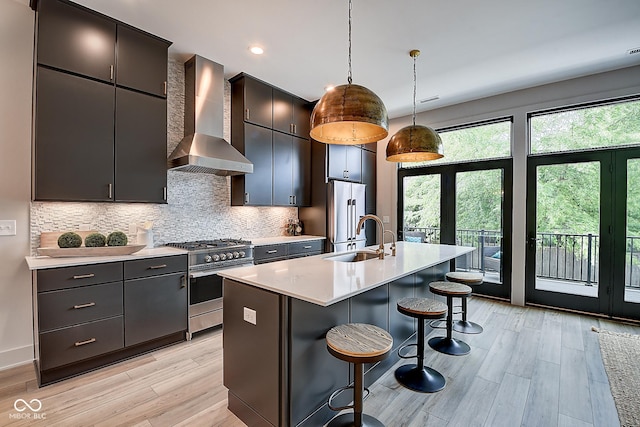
x: 284, y: 239
x: 321, y: 281
x: 42, y: 262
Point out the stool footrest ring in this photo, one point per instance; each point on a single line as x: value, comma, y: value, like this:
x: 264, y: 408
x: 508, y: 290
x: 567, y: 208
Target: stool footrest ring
x: 341, y: 389
x: 437, y: 324
x: 401, y: 356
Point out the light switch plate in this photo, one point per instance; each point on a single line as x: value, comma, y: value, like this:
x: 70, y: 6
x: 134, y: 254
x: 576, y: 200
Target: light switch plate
x: 249, y: 315
x: 8, y: 227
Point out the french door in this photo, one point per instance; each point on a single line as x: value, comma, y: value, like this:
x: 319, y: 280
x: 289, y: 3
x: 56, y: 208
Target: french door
x: 468, y: 204
x: 583, y: 231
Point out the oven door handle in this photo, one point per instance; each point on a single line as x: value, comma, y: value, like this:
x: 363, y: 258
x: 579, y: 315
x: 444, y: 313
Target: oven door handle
x: 196, y: 274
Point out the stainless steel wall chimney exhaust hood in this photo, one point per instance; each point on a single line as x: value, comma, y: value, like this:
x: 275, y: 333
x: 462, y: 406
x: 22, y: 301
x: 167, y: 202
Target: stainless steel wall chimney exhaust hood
x: 203, y: 149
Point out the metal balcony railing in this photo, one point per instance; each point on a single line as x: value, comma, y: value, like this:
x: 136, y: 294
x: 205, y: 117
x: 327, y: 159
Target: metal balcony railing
x: 559, y: 256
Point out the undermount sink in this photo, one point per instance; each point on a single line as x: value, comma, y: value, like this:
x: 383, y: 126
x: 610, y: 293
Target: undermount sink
x: 354, y: 256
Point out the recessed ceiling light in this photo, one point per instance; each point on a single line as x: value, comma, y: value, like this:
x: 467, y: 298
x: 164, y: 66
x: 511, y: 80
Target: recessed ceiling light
x: 256, y: 50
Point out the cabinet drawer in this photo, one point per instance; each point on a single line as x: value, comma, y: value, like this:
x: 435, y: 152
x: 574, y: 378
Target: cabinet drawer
x: 58, y: 309
x: 64, y: 346
x: 72, y: 277
x: 269, y: 251
x: 155, y: 266
x: 303, y: 248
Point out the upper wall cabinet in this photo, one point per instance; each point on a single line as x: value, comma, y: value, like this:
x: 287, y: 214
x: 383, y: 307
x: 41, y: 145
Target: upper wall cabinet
x: 271, y: 128
x: 142, y: 62
x: 100, y: 108
x: 72, y: 39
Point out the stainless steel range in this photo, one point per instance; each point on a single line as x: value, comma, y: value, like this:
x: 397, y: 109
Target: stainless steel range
x: 206, y: 258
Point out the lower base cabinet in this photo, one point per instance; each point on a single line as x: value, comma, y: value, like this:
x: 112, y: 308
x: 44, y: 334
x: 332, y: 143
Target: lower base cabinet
x: 92, y: 315
x: 154, y: 307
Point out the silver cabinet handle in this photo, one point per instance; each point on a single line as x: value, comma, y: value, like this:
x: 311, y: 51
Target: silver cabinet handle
x: 246, y: 114
x: 89, y: 341
x: 273, y: 251
x: 307, y: 247
x: 110, y: 72
x: 156, y: 267
x: 164, y: 193
x: 84, y: 276
x: 165, y: 87
x: 183, y: 281
x: 110, y: 190
x: 89, y: 304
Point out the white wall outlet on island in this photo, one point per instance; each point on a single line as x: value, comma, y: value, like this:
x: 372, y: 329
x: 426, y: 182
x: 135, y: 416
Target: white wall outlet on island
x: 250, y: 315
x: 8, y: 227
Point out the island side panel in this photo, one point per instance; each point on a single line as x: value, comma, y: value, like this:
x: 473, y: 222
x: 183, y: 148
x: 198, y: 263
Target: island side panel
x: 314, y: 373
x: 428, y: 275
x: 252, y: 353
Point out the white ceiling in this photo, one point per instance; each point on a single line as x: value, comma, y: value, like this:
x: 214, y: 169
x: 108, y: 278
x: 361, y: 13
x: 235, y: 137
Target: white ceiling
x: 470, y: 49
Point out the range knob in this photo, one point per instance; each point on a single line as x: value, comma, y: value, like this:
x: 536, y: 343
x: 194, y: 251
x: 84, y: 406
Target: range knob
x: 216, y: 257
x: 223, y: 257
x: 229, y: 255
x: 236, y: 255
x: 207, y: 258
x: 242, y: 254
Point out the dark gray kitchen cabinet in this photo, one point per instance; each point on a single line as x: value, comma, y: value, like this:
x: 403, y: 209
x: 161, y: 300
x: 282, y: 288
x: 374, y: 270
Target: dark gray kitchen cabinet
x: 142, y: 61
x: 140, y: 161
x: 252, y: 100
x: 276, y: 252
x: 75, y: 39
x: 344, y: 162
x: 255, y: 143
x: 74, y: 148
x: 154, y: 307
x: 90, y: 133
x: 291, y: 175
x: 290, y: 114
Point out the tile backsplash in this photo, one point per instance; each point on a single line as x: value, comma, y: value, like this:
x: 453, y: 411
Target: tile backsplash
x: 198, y: 205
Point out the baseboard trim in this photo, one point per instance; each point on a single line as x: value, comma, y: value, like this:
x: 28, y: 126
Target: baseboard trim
x: 16, y: 357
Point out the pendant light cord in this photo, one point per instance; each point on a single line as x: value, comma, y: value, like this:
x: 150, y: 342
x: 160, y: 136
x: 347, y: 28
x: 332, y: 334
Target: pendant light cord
x: 349, y: 75
x: 414, y: 90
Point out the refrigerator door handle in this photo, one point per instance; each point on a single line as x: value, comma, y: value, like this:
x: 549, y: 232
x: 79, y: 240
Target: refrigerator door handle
x: 354, y: 221
x: 349, y: 227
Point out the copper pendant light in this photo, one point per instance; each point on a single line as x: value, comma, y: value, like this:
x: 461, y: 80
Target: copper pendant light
x: 349, y: 114
x: 414, y: 143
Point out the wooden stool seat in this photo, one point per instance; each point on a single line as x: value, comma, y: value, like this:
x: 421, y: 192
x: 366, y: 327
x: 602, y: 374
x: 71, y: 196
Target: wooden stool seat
x: 416, y: 376
x: 357, y: 343
x: 448, y: 344
x: 422, y: 307
x: 464, y: 277
x: 449, y: 289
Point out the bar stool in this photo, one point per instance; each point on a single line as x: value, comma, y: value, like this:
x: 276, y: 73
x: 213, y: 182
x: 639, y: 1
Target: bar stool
x: 470, y: 279
x: 357, y: 343
x: 418, y: 377
x: 448, y: 344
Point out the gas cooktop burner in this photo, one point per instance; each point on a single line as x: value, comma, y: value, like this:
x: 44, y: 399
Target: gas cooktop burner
x: 209, y: 244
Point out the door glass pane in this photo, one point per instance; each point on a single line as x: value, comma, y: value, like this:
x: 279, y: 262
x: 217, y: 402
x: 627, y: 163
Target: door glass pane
x: 479, y: 198
x: 567, y: 226
x: 421, y: 200
x: 632, y: 263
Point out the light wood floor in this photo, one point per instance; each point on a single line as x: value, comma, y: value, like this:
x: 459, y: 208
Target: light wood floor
x: 530, y: 367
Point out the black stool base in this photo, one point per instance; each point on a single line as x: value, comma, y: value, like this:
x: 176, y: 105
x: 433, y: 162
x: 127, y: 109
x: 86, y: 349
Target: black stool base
x: 425, y: 380
x: 346, y: 420
x: 450, y: 346
x: 466, y: 327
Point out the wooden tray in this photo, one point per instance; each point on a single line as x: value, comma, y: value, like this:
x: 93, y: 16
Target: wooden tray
x: 83, y: 251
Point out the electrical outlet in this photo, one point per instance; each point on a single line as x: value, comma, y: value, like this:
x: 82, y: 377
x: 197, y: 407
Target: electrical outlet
x: 8, y: 227
x: 250, y: 315
x: 84, y: 227
x: 385, y: 219
x: 133, y: 228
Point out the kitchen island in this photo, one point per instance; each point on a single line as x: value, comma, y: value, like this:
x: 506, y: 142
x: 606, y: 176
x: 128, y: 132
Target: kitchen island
x: 276, y: 365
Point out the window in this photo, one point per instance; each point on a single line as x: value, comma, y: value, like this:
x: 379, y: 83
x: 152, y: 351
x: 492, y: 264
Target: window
x: 480, y: 141
x: 602, y: 126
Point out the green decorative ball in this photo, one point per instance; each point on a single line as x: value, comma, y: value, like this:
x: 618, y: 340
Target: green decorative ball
x: 117, y: 238
x: 70, y: 240
x: 95, y: 240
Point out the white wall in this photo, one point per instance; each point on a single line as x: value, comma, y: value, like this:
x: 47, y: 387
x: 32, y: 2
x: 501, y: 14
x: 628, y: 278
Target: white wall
x: 596, y: 87
x: 16, y: 51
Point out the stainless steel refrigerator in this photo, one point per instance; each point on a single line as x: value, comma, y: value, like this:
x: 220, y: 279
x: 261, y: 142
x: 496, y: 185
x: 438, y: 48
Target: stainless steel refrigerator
x: 346, y: 204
